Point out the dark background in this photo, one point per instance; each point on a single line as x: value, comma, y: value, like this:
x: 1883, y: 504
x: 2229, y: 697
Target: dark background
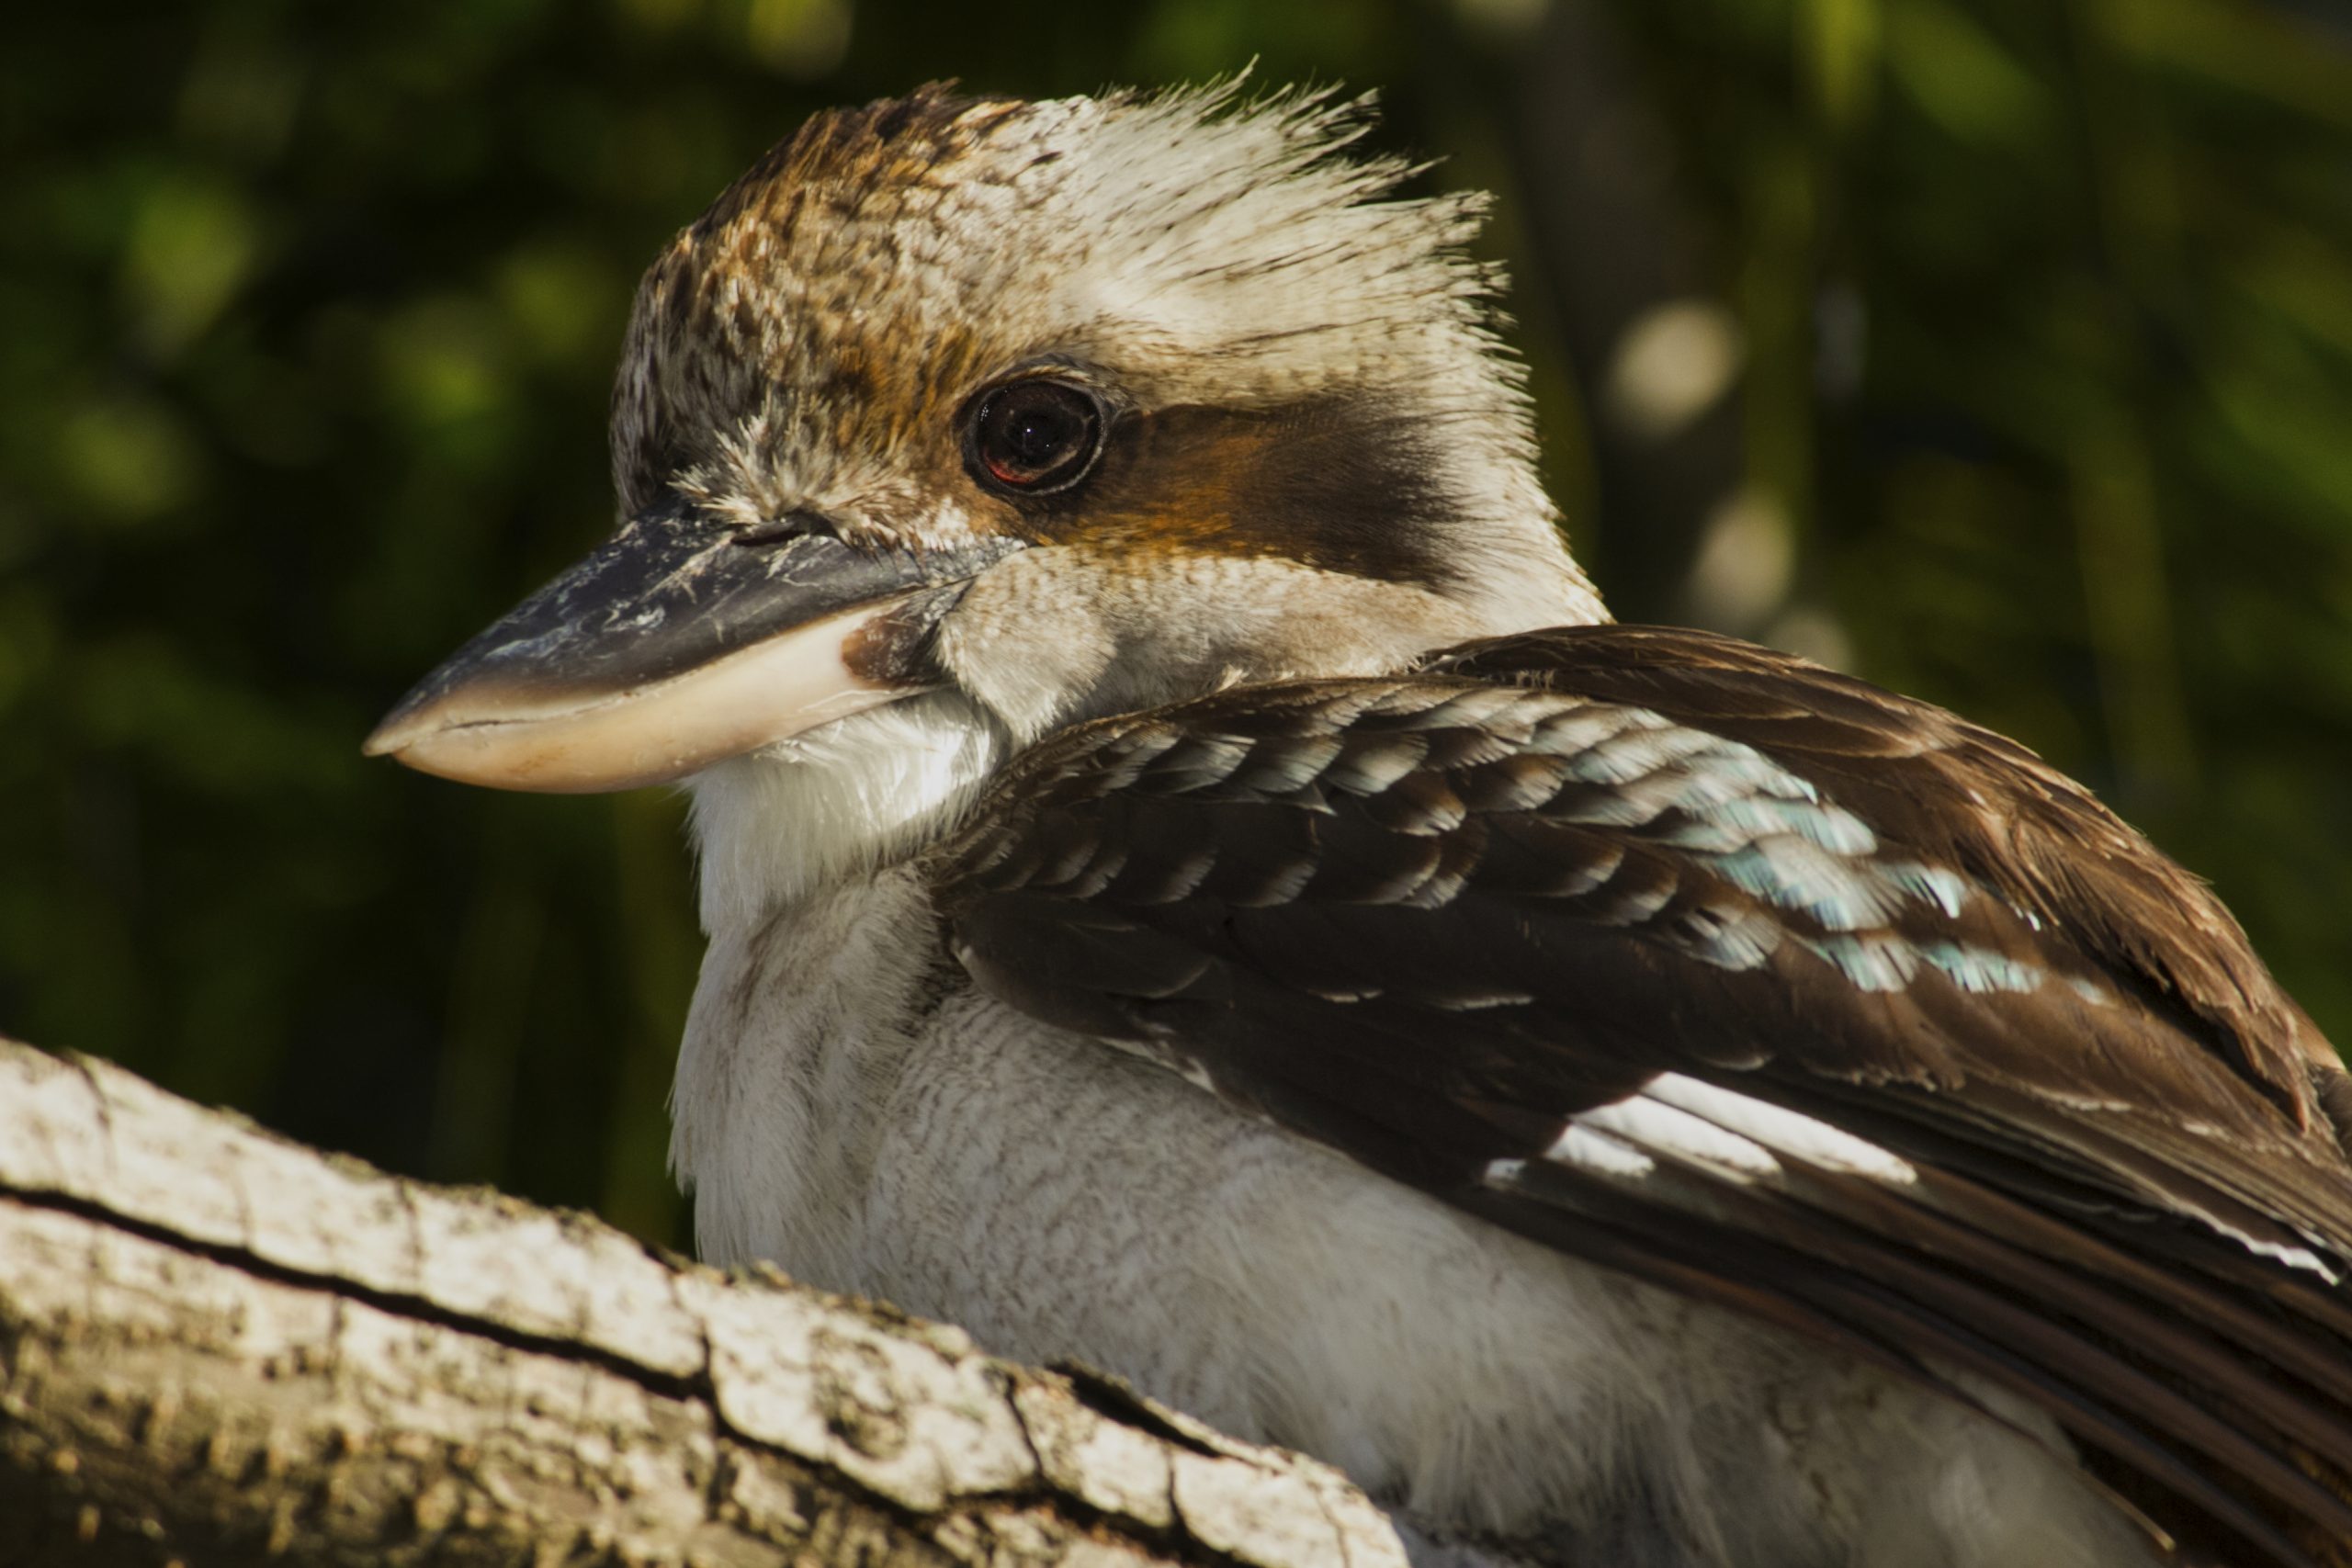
x: 1998, y: 349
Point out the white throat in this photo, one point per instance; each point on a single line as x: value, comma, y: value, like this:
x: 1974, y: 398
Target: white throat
x: 837, y: 802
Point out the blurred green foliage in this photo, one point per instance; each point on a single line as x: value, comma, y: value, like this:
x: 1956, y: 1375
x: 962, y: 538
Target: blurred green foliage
x: 307, y: 315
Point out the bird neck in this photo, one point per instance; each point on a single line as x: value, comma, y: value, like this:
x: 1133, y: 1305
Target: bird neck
x: 828, y: 808
x: 1052, y: 637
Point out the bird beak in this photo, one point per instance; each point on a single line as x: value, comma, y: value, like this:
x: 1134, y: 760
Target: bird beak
x: 680, y: 642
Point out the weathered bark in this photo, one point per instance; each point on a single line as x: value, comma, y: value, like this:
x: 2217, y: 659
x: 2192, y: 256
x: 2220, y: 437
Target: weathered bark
x: 216, y: 1345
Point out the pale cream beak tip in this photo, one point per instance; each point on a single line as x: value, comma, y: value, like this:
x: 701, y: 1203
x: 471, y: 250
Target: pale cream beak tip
x: 487, y: 732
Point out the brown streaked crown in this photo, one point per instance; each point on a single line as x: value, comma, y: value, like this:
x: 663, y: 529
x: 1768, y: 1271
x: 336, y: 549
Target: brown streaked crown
x: 1293, y: 364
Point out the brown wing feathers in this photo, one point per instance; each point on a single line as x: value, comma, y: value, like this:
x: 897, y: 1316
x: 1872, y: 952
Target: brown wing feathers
x: 1973, y: 799
x: 1440, y: 919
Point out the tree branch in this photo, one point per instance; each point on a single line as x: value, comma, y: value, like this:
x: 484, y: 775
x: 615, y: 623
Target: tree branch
x: 216, y: 1343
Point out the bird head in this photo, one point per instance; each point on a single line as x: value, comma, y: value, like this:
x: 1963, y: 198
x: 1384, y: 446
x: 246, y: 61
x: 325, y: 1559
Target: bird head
x: 957, y: 421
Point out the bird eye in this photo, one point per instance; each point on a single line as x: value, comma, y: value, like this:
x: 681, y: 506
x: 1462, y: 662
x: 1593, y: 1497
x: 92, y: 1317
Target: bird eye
x: 1033, y: 437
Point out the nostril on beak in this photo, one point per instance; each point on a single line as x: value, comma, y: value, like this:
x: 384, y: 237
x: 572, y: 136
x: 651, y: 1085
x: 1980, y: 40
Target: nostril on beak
x: 791, y: 525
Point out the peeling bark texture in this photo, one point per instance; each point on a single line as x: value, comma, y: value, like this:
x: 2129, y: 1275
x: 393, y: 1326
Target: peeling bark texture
x: 218, y: 1346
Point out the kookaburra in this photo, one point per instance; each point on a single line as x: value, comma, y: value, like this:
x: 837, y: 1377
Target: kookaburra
x: 1196, y: 884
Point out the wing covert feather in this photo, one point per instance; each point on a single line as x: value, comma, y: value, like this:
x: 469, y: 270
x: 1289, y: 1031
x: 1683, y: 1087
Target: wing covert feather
x: 1612, y: 934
